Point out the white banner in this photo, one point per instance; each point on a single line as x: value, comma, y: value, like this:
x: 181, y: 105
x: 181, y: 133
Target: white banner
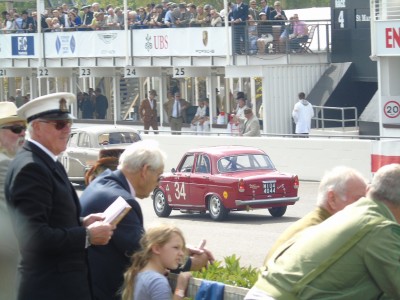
x: 195, y: 41
x: 388, y: 38
x: 201, y: 41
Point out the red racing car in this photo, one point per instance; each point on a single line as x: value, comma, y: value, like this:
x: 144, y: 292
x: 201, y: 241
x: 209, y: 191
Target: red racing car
x: 225, y: 178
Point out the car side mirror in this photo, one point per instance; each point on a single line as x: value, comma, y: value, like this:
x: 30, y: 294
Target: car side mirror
x: 173, y: 170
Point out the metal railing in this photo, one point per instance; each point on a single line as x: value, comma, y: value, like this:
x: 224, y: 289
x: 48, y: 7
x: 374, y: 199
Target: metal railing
x: 320, y: 113
x: 385, y: 10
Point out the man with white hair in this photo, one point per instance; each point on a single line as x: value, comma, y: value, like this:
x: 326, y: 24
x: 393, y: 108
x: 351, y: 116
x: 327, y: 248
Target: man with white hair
x: 45, y: 208
x: 352, y: 255
x: 12, y: 135
x: 140, y: 167
x: 338, y: 188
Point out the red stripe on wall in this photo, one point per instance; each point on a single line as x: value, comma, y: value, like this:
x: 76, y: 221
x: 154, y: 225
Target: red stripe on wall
x: 378, y: 161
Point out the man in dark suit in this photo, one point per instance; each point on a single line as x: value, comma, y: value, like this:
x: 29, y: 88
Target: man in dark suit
x: 45, y: 208
x: 101, y: 104
x: 148, y: 112
x: 240, y: 13
x: 141, y: 165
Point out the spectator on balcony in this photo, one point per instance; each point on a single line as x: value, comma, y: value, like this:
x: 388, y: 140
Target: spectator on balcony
x: 240, y: 13
x: 112, y: 19
x: 224, y: 15
x: 49, y: 23
x: 252, y: 35
x: 253, y: 11
x: 201, y: 18
x: 156, y: 20
x: 74, y: 20
x: 32, y: 22
x: 61, y: 20
x: 99, y: 22
x: 278, y: 16
x: 120, y: 17
x: 216, y: 20
x: 168, y: 14
x: 266, y: 8
x: 55, y: 25
x: 88, y: 16
x: 141, y: 18
x: 96, y: 7
x: 132, y: 19
x: 9, y: 25
x: 265, y: 37
x: 286, y: 34
x: 192, y: 10
x: 300, y: 34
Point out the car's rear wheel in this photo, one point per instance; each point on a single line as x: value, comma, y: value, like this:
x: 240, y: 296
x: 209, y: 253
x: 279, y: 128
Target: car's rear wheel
x: 277, y: 211
x: 160, y: 204
x: 217, y: 210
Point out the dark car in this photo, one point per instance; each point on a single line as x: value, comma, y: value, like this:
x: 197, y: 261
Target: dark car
x: 223, y: 179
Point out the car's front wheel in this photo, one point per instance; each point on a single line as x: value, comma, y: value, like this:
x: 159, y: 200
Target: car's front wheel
x: 160, y: 204
x: 218, y: 212
x: 277, y: 211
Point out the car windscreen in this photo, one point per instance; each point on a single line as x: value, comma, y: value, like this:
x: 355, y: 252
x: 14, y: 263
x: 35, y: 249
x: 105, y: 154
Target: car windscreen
x: 113, y: 138
x: 244, y: 162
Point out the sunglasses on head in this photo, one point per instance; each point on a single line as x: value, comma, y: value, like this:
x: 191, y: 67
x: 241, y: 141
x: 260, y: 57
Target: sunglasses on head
x: 58, y: 124
x: 17, y: 129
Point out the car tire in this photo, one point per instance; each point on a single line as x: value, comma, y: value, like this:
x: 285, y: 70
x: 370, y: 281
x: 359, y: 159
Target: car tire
x: 277, y: 212
x: 160, y: 204
x: 217, y: 210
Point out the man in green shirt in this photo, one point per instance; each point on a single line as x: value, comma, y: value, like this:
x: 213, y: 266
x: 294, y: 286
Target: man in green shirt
x: 352, y: 255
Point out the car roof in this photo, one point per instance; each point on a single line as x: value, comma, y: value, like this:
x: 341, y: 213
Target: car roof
x: 227, y: 150
x: 104, y: 128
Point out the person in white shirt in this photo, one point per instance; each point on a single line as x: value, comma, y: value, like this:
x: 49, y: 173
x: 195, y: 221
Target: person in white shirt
x: 201, y: 120
x: 302, y: 114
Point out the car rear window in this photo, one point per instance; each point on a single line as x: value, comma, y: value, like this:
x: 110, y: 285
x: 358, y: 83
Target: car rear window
x: 114, y: 138
x: 245, y: 162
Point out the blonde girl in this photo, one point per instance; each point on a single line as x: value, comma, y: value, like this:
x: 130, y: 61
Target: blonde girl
x: 163, y: 247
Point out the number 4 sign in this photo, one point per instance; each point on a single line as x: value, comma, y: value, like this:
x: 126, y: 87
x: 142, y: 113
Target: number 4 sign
x: 391, y: 110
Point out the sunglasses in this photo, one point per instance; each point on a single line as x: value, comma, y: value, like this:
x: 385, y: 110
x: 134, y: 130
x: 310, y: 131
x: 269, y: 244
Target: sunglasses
x: 17, y: 129
x: 59, y: 124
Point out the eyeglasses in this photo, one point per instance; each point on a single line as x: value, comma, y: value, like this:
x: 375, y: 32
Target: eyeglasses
x: 17, y: 129
x: 59, y: 124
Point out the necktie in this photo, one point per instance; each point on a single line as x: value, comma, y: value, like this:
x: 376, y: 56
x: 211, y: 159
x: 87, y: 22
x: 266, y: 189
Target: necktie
x: 177, y: 112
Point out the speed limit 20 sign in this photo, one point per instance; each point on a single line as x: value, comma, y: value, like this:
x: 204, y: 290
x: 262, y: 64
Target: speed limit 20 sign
x: 391, y: 110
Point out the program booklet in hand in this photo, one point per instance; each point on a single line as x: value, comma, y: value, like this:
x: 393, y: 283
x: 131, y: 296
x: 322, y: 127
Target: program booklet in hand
x: 116, y: 211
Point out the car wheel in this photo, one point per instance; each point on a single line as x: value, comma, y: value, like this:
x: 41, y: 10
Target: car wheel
x: 217, y: 210
x: 160, y: 205
x: 277, y: 211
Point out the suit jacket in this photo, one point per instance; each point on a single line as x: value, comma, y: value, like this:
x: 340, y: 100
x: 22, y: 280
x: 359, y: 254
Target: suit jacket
x: 146, y: 112
x: 251, y: 127
x: 108, y: 263
x: 240, y: 12
x: 169, y: 106
x: 47, y: 223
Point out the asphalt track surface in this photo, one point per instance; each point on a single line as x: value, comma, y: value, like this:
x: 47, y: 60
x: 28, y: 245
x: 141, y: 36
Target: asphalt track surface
x: 248, y: 235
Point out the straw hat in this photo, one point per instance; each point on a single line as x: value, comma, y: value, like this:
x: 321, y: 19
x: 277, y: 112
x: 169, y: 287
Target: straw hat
x: 8, y: 113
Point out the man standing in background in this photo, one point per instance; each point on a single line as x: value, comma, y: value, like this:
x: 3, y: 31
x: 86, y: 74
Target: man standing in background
x: 101, y: 104
x: 148, y: 112
x: 302, y: 114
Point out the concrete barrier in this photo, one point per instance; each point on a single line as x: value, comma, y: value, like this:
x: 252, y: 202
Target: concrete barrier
x: 309, y: 158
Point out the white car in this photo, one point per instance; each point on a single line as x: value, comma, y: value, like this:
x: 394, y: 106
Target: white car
x: 85, y: 144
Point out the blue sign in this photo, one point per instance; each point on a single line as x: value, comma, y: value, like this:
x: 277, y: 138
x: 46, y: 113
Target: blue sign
x: 22, y: 45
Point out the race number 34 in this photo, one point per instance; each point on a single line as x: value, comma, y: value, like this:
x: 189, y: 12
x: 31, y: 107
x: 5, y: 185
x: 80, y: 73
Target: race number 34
x: 392, y: 109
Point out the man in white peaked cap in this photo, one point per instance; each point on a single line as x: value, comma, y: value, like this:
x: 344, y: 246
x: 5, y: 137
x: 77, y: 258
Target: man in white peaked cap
x: 45, y: 207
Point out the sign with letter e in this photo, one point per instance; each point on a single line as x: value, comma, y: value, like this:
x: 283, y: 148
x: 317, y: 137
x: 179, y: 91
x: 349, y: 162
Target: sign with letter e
x: 391, y: 110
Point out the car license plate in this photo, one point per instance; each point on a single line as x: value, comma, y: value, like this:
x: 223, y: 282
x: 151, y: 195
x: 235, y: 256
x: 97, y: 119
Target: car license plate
x: 269, y: 187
